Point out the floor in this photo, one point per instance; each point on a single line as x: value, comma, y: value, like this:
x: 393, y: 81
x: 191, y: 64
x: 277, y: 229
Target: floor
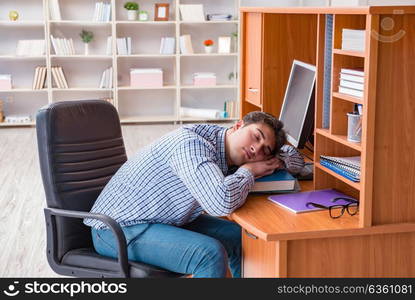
x: 22, y: 228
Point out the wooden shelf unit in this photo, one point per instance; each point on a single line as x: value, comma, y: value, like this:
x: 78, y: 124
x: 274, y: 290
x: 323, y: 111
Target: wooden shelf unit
x: 271, y: 39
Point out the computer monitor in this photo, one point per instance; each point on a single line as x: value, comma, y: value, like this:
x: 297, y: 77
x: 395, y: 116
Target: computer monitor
x: 297, y: 112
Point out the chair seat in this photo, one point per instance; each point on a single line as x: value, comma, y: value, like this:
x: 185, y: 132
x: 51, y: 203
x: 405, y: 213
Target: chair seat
x: 88, y: 258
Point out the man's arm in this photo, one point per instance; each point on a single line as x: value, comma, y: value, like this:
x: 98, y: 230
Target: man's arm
x: 218, y: 195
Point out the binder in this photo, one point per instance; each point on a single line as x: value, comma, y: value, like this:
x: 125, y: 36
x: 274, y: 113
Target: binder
x: 351, y: 175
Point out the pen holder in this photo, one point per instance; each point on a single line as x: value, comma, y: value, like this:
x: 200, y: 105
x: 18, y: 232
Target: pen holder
x: 354, y: 127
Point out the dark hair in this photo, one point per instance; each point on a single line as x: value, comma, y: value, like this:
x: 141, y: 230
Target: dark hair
x: 276, y: 125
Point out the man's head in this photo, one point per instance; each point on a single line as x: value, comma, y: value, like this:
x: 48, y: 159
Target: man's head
x: 258, y: 136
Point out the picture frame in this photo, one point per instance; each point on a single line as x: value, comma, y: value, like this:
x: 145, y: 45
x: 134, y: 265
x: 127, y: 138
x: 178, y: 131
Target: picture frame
x: 161, y: 11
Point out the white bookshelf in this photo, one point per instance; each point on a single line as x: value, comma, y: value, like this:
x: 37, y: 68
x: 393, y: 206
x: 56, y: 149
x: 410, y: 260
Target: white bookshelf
x: 83, y: 72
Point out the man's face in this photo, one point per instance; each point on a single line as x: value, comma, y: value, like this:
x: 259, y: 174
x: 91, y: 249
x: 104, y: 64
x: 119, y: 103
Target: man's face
x: 251, y: 143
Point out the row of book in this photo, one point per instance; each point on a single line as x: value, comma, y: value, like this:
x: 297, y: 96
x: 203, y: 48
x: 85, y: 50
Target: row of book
x: 353, y: 40
x: 352, y: 82
x: 39, y: 78
x: 167, y: 45
x: 63, y: 46
x: 107, y: 79
x: 231, y: 109
x: 102, y: 12
x: 59, y: 77
x: 348, y: 167
x: 30, y: 48
x: 124, y: 46
x: 54, y: 10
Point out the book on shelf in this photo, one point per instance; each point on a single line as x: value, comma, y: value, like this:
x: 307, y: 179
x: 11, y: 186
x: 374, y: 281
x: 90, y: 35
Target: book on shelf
x: 39, y: 78
x: 5, y: 81
x: 30, y: 48
x: 192, y: 12
x: 350, y: 92
x: 186, y: 44
x: 109, y: 46
x: 167, y: 45
x: 124, y: 46
x: 353, y: 39
x: 205, y: 113
x: 297, y: 202
x: 353, y: 78
x: 280, y: 180
x: 357, y: 72
x: 218, y: 17
x: 231, y: 109
x: 224, y: 44
x: 62, y: 46
x: 106, y: 79
x: 59, y: 77
x: 348, y: 161
x: 347, y: 172
x: 54, y: 10
x: 102, y: 12
x: 352, y: 85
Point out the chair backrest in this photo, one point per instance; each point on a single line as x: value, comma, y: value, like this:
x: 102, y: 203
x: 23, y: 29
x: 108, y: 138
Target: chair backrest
x: 80, y: 148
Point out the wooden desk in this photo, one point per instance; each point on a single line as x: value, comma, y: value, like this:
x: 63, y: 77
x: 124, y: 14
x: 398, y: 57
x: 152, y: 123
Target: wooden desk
x: 279, y: 243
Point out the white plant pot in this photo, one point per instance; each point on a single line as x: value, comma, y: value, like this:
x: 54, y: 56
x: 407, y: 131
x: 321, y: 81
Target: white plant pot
x: 86, y: 47
x: 132, y: 15
x: 208, y: 49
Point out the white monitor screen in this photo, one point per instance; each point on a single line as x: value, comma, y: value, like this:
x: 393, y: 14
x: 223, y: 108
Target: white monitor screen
x: 297, y: 99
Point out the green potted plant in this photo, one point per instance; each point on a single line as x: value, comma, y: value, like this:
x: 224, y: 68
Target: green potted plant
x: 86, y: 37
x: 132, y: 8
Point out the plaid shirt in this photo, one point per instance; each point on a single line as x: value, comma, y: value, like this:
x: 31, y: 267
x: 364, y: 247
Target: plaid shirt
x: 175, y: 179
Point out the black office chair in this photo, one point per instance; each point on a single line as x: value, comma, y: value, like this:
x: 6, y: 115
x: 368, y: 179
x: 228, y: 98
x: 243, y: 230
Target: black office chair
x: 80, y: 148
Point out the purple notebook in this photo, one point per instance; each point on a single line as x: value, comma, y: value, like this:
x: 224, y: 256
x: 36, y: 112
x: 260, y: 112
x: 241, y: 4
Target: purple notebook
x: 296, y: 202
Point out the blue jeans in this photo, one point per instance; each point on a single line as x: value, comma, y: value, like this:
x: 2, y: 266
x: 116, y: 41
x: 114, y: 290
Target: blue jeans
x: 203, y: 247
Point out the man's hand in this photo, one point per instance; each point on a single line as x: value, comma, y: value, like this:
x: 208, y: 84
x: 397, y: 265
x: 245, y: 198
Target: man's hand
x: 263, y: 168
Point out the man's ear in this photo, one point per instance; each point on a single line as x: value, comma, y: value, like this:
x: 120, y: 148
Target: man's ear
x: 238, y: 125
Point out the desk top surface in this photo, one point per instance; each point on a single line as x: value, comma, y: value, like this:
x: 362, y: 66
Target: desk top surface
x: 271, y: 222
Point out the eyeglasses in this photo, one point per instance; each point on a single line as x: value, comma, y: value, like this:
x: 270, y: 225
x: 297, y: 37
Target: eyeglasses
x: 337, y: 210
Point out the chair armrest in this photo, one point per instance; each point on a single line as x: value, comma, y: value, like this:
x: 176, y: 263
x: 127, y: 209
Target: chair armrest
x: 50, y: 214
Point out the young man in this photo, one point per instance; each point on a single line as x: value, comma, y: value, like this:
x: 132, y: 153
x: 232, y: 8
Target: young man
x: 159, y: 196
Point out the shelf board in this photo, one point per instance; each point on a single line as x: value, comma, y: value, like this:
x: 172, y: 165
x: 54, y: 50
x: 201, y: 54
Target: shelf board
x: 219, y: 86
x: 209, y: 54
x: 23, y: 23
x: 23, y: 91
x: 347, y: 98
x: 342, y: 139
x: 145, y: 22
x: 91, y: 89
x: 82, y: 56
x: 209, y: 22
x: 6, y: 124
x: 129, y: 88
x: 355, y: 185
x: 254, y: 104
x: 139, y: 119
x: 146, y: 55
x: 14, y: 57
x: 349, y: 53
x: 80, y: 22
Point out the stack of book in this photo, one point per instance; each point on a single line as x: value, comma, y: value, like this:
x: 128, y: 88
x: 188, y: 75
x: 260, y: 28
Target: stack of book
x: 62, y: 46
x: 59, y: 78
x: 124, y: 46
x: 352, y: 82
x: 218, y: 17
x: 167, y: 45
x: 102, y: 12
x: 204, y: 79
x: 39, y: 78
x: 353, y: 40
x: 186, y: 44
x: 5, y: 82
x: 54, y: 10
x: 348, y: 167
x: 205, y: 113
x: 106, y: 79
x: 30, y: 48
